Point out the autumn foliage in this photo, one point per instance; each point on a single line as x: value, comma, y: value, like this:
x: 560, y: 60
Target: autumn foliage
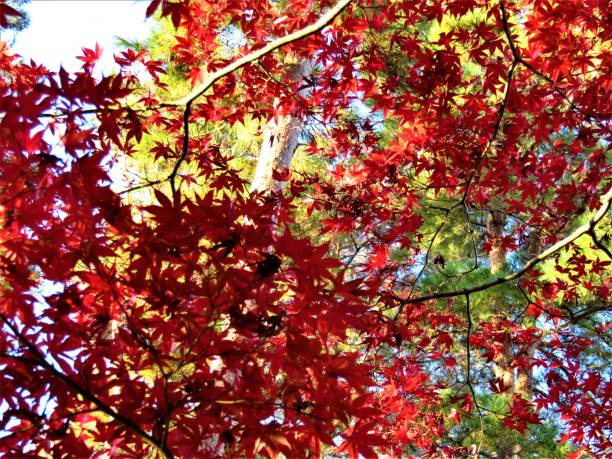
x: 184, y: 316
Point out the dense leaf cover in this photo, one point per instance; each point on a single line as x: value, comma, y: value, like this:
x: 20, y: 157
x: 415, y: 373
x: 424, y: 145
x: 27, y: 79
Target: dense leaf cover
x: 206, y: 322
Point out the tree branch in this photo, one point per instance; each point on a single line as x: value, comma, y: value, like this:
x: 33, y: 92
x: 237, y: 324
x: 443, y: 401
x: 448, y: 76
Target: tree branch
x: 584, y: 229
x: 600, y: 245
x: 464, y: 199
x: 527, y: 65
x: 253, y: 56
x: 85, y: 393
x: 468, y: 371
x: 500, y: 116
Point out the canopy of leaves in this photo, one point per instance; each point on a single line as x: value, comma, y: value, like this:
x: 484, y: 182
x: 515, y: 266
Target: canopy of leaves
x: 175, y: 314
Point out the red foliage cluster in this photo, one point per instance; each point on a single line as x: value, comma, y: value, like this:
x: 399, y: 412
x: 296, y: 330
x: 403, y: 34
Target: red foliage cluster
x: 202, y: 325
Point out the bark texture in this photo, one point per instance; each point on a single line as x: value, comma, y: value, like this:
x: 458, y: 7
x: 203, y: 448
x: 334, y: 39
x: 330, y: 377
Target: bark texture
x: 495, y: 228
x: 497, y: 260
x: 280, y: 140
x: 524, y: 380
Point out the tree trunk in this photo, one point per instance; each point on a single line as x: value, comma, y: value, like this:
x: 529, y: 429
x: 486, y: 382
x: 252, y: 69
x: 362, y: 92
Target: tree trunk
x: 502, y: 363
x: 280, y: 139
x: 495, y: 228
x: 520, y: 384
x: 524, y: 386
x: 497, y: 259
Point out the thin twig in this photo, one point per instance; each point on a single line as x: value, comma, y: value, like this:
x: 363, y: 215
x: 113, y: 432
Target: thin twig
x: 500, y: 115
x: 468, y: 371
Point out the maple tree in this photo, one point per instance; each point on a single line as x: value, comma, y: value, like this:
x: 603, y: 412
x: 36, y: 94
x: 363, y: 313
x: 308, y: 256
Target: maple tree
x: 450, y: 246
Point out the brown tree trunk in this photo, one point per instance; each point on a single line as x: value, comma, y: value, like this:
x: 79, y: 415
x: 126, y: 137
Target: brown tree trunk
x: 524, y: 386
x: 520, y: 384
x: 502, y: 363
x: 497, y: 259
x: 503, y: 369
x: 509, y: 451
x: 495, y: 228
x: 280, y: 139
